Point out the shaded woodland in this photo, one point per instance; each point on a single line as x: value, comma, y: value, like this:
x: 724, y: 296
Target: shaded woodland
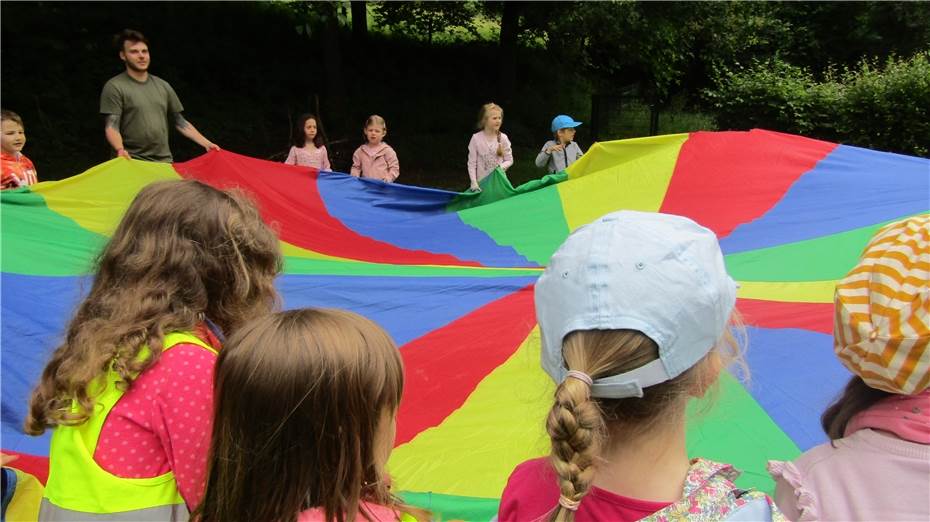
x: 244, y: 71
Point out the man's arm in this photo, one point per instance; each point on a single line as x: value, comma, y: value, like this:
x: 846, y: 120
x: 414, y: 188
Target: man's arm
x: 190, y: 132
x: 111, y: 131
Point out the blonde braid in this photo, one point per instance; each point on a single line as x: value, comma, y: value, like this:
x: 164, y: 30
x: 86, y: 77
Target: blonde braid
x: 575, y: 425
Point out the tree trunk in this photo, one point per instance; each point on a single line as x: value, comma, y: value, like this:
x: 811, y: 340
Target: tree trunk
x: 359, y: 22
x: 332, y: 65
x: 510, y: 29
x: 595, y: 127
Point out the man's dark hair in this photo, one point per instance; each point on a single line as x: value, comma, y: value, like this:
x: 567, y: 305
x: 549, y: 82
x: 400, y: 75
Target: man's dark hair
x: 128, y: 35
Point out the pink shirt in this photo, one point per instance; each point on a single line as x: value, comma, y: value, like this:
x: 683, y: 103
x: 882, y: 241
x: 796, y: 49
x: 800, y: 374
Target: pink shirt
x: 163, y: 422
x: 378, y: 514
x: 377, y: 162
x: 866, y: 475
x: 317, y: 158
x: 532, y: 492
x: 907, y: 416
x: 482, y: 155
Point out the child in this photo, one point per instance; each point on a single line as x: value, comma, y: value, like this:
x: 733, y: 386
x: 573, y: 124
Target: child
x: 129, y: 391
x: 17, y: 169
x: 306, y: 402
x: 877, y: 465
x: 633, y: 311
x: 308, y: 149
x: 489, y: 148
x: 556, y: 155
x: 375, y: 159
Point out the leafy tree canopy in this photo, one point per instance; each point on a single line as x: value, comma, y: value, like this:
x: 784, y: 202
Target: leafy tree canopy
x: 424, y: 20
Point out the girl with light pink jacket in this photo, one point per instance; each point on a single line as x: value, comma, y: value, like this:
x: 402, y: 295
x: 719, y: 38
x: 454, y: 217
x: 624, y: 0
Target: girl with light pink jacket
x: 489, y: 148
x: 375, y: 159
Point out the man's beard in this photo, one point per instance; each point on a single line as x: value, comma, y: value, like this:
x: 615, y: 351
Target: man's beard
x: 135, y: 67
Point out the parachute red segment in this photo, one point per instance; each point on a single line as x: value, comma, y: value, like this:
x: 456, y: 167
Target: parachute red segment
x: 751, y: 170
x: 443, y: 367
x: 289, y: 199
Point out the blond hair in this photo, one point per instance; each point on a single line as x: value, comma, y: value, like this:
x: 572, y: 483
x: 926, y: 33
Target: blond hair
x: 580, y: 427
x: 483, y: 115
x: 374, y: 119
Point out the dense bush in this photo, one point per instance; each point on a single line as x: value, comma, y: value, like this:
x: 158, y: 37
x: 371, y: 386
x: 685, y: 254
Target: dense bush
x: 889, y: 108
x: 883, y: 107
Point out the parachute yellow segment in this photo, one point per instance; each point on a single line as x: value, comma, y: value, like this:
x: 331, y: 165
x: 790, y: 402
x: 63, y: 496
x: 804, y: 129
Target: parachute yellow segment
x: 629, y: 174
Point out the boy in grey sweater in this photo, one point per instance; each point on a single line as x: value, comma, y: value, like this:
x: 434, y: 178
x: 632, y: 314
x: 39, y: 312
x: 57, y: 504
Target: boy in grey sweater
x: 556, y: 155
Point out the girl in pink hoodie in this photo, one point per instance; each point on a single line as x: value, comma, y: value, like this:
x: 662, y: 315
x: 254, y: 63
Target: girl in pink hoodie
x: 489, y: 148
x: 375, y: 159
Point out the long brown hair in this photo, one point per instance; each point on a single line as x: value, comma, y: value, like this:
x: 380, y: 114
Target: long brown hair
x: 300, y: 135
x: 183, y: 251
x: 580, y: 426
x: 856, y: 397
x: 300, y: 399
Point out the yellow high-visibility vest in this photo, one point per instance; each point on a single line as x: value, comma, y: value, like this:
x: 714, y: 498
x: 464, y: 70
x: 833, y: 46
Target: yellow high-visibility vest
x: 78, y: 488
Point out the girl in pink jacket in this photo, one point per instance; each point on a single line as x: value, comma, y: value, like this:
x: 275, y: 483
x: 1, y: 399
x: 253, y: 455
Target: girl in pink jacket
x: 489, y: 148
x: 375, y: 159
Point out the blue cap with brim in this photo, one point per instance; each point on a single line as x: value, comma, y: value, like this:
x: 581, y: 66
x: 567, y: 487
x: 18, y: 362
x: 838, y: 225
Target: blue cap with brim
x: 659, y: 274
x: 563, y: 121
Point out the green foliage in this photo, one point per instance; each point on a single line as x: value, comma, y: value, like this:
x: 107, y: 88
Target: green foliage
x: 672, y: 47
x: 889, y: 108
x: 771, y: 94
x: 424, y: 20
x: 870, y: 106
x: 843, y: 33
x: 646, y: 42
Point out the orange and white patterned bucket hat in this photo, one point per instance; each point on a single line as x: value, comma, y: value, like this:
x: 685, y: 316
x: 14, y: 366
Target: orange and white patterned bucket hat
x: 881, y: 328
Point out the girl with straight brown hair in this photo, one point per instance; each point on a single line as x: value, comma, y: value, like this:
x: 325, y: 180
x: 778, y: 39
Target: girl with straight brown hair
x: 129, y: 391
x: 306, y: 402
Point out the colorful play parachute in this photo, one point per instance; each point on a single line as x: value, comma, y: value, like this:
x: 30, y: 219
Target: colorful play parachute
x: 451, y: 276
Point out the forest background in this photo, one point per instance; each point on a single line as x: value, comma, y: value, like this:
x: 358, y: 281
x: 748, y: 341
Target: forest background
x: 851, y: 72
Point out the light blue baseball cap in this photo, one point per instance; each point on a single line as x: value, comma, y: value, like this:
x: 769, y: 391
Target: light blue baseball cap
x: 660, y: 274
x: 563, y: 121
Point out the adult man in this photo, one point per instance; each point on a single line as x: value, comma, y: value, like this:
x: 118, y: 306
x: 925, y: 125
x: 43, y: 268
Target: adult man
x: 137, y: 106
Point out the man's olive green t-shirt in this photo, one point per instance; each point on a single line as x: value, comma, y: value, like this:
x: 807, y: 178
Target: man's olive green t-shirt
x: 143, y: 108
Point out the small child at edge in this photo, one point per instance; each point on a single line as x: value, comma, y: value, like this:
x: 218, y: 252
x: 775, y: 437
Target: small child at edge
x: 17, y: 169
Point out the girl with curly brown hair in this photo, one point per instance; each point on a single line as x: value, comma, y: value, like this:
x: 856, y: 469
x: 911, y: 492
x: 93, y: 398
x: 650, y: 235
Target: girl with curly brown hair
x: 129, y: 391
